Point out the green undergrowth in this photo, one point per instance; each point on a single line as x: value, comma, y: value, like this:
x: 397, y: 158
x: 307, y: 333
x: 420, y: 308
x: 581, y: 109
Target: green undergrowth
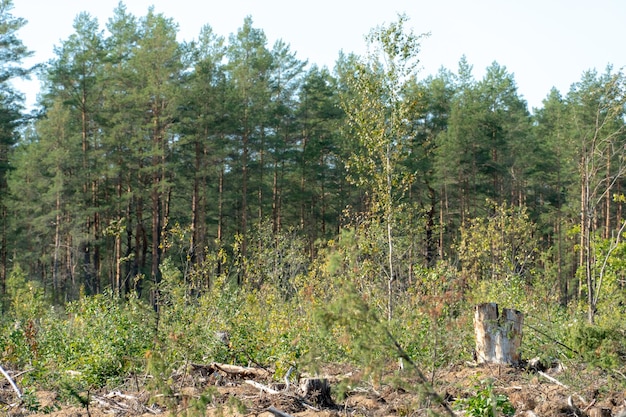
x: 333, y: 310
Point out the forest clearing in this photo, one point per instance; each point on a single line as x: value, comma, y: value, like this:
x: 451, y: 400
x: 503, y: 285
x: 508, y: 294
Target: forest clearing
x: 185, y: 226
x: 528, y: 392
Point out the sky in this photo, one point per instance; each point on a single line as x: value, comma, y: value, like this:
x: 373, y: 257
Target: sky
x: 543, y: 43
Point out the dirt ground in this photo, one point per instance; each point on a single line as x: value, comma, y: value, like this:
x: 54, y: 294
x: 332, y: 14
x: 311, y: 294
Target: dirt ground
x: 202, y: 391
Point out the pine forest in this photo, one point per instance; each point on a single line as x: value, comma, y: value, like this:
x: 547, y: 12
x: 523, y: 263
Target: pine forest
x: 166, y: 192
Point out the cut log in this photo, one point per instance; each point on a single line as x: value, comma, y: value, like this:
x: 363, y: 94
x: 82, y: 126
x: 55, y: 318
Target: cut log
x: 498, y: 334
x: 316, y: 391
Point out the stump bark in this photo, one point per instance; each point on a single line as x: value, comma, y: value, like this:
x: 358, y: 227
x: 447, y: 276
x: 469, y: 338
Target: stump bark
x: 317, y: 391
x: 498, y: 334
x: 600, y: 412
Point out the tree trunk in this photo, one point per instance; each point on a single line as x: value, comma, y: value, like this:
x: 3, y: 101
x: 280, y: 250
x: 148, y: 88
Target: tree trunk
x: 220, y: 205
x: 156, y: 240
x: 498, y: 334
x: 194, y: 246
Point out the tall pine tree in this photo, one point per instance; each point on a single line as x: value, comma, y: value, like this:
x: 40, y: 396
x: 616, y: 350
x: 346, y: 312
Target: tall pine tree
x: 12, y: 52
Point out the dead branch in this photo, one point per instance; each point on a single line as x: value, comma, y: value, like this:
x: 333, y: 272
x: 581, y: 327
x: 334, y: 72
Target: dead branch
x: 8, y: 378
x: 119, y: 394
x: 278, y: 413
x: 553, y: 380
x: 261, y: 387
x: 241, y: 371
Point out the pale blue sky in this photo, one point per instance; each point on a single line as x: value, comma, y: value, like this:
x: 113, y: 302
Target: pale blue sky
x: 544, y: 43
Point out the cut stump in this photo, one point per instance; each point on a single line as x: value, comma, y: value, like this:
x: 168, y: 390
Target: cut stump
x: 317, y: 391
x: 498, y: 334
x: 599, y: 412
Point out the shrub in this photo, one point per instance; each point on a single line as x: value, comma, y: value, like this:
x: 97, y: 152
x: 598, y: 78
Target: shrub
x: 99, y: 340
x: 485, y: 403
x: 598, y: 345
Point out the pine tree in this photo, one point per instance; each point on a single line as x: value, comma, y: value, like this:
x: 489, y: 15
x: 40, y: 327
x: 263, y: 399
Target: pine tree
x: 203, y: 145
x: 551, y: 184
x: 157, y: 64
x: 122, y: 138
x: 249, y: 66
x: 434, y: 96
x: 320, y: 162
x: 73, y: 79
x: 12, y: 52
x: 285, y: 80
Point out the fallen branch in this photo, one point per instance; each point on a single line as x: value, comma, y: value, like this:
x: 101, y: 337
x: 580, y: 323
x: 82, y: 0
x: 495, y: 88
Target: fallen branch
x: 261, y: 387
x: 111, y: 404
x: 278, y: 413
x: 560, y: 384
x: 287, y: 375
x: 306, y: 404
x: 119, y: 394
x: 589, y: 406
x: 15, y: 388
x: 553, y: 380
x: 242, y: 371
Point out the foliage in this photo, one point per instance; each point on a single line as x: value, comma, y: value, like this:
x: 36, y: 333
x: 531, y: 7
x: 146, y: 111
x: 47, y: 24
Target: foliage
x: 32, y: 404
x: 20, y: 341
x: 500, y: 246
x: 259, y: 321
x: 26, y: 297
x: 217, y: 200
x: 437, y: 169
x: 485, y: 402
x: 99, y: 341
x: 598, y: 345
x: 437, y: 304
x: 378, y: 116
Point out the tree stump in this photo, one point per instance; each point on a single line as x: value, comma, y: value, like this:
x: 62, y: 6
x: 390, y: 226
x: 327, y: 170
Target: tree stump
x: 600, y: 412
x: 317, y: 391
x: 498, y: 334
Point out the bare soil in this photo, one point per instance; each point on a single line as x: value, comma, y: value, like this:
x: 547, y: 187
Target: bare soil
x: 555, y: 392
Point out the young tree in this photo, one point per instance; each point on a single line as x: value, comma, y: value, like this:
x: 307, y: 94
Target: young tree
x: 598, y: 110
x: 378, y: 115
x: 500, y: 246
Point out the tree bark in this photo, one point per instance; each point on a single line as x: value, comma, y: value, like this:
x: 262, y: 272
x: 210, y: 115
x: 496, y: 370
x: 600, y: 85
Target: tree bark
x: 498, y: 334
x: 317, y: 391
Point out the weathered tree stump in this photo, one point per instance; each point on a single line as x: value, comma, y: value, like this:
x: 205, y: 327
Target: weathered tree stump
x: 317, y: 391
x: 600, y: 412
x: 498, y: 334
